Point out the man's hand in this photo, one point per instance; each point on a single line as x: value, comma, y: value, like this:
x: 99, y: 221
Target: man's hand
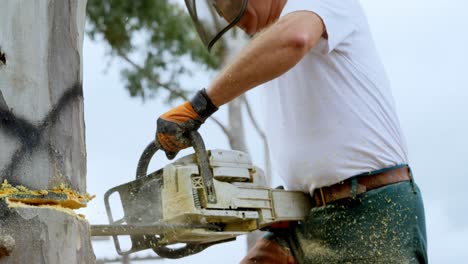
x: 174, y: 126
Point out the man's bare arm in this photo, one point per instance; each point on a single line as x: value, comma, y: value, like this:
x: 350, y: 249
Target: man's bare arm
x: 269, y: 55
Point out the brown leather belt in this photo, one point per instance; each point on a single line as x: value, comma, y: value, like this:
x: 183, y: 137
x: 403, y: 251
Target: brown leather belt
x: 323, y: 196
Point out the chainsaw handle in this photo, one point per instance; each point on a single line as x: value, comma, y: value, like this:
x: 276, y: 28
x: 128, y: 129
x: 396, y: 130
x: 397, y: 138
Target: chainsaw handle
x: 145, y: 158
x: 202, y: 159
x: 187, y: 250
x: 171, y: 253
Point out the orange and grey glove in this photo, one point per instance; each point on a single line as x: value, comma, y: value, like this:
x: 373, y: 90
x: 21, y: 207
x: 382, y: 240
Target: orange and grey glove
x: 174, y: 126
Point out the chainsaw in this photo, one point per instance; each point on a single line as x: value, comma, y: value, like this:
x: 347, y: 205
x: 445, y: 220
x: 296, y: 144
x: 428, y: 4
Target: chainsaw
x: 200, y: 200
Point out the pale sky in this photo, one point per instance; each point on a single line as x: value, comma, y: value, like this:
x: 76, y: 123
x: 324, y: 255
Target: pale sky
x: 423, y: 45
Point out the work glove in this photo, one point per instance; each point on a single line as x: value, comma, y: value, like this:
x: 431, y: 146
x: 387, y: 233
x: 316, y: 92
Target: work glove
x: 174, y: 127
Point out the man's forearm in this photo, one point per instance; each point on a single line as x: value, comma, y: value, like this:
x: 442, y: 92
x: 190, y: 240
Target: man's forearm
x: 269, y: 55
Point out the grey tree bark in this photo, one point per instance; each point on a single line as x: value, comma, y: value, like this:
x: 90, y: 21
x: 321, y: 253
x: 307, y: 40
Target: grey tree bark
x: 42, y: 142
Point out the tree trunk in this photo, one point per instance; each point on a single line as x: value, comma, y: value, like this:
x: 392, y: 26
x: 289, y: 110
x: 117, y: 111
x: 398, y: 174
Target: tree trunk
x: 236, y: 126
x: 234, y: 43
x: 42, y: 127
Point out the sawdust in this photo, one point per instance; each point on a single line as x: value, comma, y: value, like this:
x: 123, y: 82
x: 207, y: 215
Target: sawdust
x: 60, y: 196
x: 319, y: 250
x: 15, y: 204
x: 379, y: 228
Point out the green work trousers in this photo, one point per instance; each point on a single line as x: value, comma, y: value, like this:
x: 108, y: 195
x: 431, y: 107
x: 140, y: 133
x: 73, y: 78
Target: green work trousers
x: 384, y: 225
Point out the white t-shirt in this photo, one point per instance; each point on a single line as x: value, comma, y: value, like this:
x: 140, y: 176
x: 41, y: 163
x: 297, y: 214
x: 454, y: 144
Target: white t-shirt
x: 332, y: 116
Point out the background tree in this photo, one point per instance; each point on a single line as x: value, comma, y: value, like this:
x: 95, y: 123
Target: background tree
x: 160, y: 45
x: 42, y: 142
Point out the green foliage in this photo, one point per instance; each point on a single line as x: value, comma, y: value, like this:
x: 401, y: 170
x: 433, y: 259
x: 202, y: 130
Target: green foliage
x: 156, y: 37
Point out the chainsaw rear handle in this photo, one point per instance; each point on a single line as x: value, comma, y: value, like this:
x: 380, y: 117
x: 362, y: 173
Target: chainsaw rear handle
x: 202, y: 159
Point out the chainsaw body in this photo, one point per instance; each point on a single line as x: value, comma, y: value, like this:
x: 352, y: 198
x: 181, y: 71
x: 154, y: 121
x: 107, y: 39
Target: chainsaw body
x: 200, y: 200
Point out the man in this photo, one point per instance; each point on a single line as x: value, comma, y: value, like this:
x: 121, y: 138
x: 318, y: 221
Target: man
x: 332, y: 128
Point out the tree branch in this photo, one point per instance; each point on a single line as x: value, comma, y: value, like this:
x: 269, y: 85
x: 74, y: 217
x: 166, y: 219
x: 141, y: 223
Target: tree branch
x: 168, y: 88
x: 252, y: 118
x: 150, y: 77
x: 221, y: 125
x: 262, y: 135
